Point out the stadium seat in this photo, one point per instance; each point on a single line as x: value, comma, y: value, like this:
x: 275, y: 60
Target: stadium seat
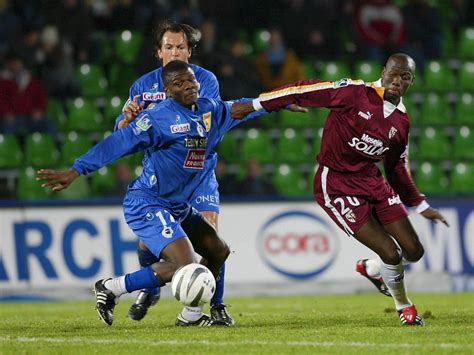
x: 10, y: 152
x: 295, y: 119
x: 367, y: 71
x: 261, y: 40
x: 320, y: 114
x: 433, y: 144
x: 430, y: 178
x: 257, y: 145
x: 78, y: 190
x: 84, y: 116
x: 412, y: 110
x: 29, y: 188
x: 41, y: 151
x: 103, y: 181
x: 438, y: 76
x: 309, y: 69
x: 333, y: 71
x: 55, y: 112
x: 292, y: 147
x: 288, y: 181
x: 121, y: 77
x: 113, y: 108
x: 462, y: 178
x: 316, y: 146
x: 465, y: 109
x: 466, y: 43
x: 464, y: 143
x: 127, y: 46
x: 74, y: 145
x: 435, y: 110
x: 466, y: 76
x: 228, y: 148
x: 92, y: 80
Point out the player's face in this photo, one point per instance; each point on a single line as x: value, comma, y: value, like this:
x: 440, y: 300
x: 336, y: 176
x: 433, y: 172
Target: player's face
x: 174, y: 47
x: 397, y: 77
x: 182, y: 87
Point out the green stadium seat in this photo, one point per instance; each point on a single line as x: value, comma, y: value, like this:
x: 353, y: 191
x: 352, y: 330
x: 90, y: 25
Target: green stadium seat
x: 320, y: 115
x: 127, y: 46
x: 438, y: 77
x: 464, y: 143
x: 462, y: 178
x: 309, y: 69
x: 435, y: 110
x: 121, y: 78
x: 228, y: 148
x: 84, y: 116
x: 433, y: 144
x: 92, y: 80
x: 288, y: 181
x: 292, y: 147
x: 113, y: 108
x: 257, y: 145
x: 261, y: 40
x: 466, y: 43
x: 465, y: 109
x: 316, y: 146
x: 74, y: 145
x: 367, y: 71
x: 55, y: 112
x: 295, y: 119
x: 10, y: 152
x: 29, y: 188
x: 79, y: 189
x: 103, y: 181
x: 412, y: 110
x: 430, y: 178
x: 333, y: 71
x: 466, y: 76
x: 41, y: 151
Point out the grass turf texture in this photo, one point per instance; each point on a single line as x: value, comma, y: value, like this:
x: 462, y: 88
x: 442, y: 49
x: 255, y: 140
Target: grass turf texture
x: 345, y: 324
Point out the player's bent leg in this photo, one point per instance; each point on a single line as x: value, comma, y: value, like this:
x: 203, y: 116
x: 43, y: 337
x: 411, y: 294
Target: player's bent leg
x: 361, y: 268
x: 404, y: 233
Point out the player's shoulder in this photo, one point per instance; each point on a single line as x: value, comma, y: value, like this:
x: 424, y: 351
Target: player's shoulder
x: 202, y: 73
x: 207, y: 103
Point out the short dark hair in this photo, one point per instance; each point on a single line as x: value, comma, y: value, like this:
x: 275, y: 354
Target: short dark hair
x: 172, y: 67
x: 190, y: 33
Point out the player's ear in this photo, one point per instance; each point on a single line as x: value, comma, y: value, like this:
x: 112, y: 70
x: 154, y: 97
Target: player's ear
x: 159, y: 54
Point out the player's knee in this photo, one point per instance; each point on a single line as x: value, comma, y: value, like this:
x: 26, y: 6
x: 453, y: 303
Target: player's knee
x: 391, y: 255
x: 415, y: 254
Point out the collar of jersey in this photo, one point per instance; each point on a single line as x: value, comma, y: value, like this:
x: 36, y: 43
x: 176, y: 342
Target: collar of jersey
x: 388, y: 107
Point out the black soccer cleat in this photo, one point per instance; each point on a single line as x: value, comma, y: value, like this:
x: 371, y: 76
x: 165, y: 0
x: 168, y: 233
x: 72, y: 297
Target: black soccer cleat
x: 144, y: 300
x: 361, y: 268
x: 219, y: 313
x: 204, y: 321
x: 104, y: 302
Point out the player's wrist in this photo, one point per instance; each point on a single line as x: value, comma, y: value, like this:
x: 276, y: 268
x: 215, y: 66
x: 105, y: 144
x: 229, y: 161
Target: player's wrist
x: 422, y: 207
x: 256, y: 105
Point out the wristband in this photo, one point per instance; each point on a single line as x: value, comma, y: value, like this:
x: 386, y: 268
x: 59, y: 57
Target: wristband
x: 256, y: 105
x: 422, y: 207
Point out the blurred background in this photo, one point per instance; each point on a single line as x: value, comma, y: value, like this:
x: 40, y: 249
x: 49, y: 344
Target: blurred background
x: 66, y: 67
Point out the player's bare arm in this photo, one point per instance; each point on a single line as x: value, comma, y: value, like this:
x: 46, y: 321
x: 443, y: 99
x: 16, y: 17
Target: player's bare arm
x: 241, y: 109
x: 435, y: 215
x: 57, y: 179
x: 131, y: 111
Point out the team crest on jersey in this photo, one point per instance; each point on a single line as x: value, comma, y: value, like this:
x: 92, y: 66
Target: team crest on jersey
x: 340, y: 83
x: 393, y: 131
x: 350, y: 216
x: 167, y: 232
x: 207, y: 120
x: 142, y: 125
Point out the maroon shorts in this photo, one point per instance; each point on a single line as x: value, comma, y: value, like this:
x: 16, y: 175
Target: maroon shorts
x: 350, y: 199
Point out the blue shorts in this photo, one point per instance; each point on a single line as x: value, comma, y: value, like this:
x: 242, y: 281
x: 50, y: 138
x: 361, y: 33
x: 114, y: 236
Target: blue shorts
x: 206, y: 196
x: 155, y: 224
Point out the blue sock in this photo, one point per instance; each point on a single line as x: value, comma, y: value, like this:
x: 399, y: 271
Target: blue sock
x: 143, y: 278
x: 218, y: 297
x: 146, y: 258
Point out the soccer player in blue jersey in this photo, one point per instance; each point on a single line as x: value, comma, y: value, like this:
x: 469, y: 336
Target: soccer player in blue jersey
x: 177, y: 136
x: 176, y: 41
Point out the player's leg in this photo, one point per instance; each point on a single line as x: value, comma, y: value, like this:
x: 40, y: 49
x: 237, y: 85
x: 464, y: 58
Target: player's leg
x: 146, y: 297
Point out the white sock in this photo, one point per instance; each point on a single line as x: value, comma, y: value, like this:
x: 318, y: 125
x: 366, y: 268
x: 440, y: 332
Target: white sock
x: 372, y: 266
x: 116, y: 285
x: 393, y: 276
x: 191, y: 313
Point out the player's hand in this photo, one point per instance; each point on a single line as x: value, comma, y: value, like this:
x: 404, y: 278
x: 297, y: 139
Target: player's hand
x: 433, y: 214
x: 57, y: 180
x: 241, y: 109
x: 131, y: 111
x: 296, y: 108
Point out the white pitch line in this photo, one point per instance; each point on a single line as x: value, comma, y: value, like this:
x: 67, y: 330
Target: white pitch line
x: 232, y: 343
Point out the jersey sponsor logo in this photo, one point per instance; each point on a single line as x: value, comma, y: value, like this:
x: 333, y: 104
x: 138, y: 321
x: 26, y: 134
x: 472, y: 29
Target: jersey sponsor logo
x: 206, y: 118
x: 367, y: 115
x: 195, y: 142
x: 368, y: 145
x: 195, y: 159
x: 178, y: 128
x: 341, y: 83
x: 393, y: 131
x: 395, y: 200
x: 153, y: 96
x: 142, y: 125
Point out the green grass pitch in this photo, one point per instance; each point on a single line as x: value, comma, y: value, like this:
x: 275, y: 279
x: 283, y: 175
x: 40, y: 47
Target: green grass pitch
x: 319, y: 324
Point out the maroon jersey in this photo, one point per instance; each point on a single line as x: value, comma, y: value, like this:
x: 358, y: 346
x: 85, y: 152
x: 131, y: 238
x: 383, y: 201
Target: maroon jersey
x: 361, y: 129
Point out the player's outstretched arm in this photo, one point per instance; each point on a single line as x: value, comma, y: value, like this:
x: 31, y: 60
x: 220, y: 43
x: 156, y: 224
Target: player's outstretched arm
x: 241, y: 109
x: 57, y: 180
x: 435, y: 215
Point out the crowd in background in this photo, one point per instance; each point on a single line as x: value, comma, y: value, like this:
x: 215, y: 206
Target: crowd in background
x: 42, y: 43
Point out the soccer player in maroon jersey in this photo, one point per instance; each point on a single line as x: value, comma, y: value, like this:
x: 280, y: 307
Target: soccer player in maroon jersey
x: 367, y: 124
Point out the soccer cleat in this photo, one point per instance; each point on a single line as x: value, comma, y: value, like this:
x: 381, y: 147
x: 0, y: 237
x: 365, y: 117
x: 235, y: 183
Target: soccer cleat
x: 219, y: 313
x: 361, y: 268
x: 144, y: 301
x: 204, y: 321
x: 409, y: 316
x: 105, y: 302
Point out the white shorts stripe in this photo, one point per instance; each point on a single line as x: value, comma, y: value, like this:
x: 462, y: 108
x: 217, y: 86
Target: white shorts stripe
x: 328, y: 203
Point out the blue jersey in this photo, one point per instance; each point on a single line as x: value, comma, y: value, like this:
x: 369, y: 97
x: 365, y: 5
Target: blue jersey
x: 151, y: 90
x: 176, y: 140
